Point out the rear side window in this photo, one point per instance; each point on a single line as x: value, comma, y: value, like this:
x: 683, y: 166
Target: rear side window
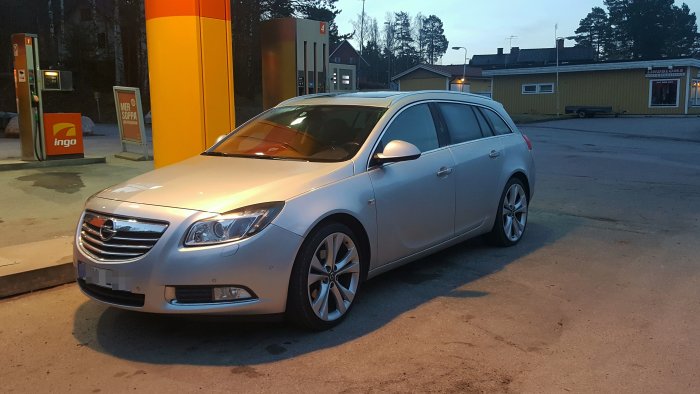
x: 485, y: 127
x: 414, y: 125
x: 499, y: 126
x: 461, y: 122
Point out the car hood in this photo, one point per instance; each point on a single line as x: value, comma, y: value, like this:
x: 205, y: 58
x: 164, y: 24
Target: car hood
x: 222, y: 184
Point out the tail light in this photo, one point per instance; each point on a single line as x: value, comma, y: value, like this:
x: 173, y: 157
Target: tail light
x: 527, y: 141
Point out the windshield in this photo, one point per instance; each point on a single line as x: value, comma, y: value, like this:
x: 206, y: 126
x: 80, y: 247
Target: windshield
x: 310, y: 133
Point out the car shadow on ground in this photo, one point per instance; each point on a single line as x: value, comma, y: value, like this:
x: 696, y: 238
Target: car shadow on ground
x: 162, y: 339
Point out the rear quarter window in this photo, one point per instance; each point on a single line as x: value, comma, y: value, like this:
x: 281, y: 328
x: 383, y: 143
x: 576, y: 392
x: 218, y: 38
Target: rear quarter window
x: 497, y: 124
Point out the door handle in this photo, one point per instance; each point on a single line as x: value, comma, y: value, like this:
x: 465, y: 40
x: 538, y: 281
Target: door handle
x: 494, y: 154
x: 444, y: 171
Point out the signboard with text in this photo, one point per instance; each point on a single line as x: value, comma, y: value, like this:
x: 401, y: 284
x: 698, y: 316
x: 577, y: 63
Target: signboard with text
x: 130, y: 118
x: 665, y: 72
x: 63, y: 134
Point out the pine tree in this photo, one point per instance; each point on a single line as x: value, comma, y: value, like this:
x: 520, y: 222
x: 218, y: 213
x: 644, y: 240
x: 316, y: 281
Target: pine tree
x: 594, y: 31
x: 433, y: 35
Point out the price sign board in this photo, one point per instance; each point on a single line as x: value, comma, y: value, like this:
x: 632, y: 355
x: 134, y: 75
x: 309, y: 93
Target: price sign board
x: 130, y: 118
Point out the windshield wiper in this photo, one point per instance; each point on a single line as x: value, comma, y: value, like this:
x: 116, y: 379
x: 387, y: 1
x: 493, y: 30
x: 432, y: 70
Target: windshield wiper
x: 215, y: 153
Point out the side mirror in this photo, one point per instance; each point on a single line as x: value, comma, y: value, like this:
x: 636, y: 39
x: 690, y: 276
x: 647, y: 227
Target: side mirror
x: 396, y: 151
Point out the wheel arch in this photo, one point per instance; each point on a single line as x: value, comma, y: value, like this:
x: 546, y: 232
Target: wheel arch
x: 357, y: 228
x: 520, y: 175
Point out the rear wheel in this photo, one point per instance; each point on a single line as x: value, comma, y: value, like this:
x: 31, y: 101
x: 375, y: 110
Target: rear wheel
x: 326, y: 277
x: 511, y: 217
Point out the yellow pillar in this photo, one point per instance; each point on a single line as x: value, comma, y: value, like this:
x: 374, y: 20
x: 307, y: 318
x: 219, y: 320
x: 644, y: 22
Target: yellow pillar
x: 190, y: 65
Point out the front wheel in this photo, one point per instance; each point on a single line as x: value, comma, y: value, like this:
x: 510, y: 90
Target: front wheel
x: 511, y: 217
x: 326, y: 278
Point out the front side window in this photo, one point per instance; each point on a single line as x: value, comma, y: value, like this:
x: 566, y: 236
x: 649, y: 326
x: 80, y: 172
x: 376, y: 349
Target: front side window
x: 311, y: 133
x: 414, y: 125
x: 461, y: 122
x: 663, y: 93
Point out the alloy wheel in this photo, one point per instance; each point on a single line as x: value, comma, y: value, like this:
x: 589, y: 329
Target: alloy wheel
x: 514, y: 212
x: 334, y: 275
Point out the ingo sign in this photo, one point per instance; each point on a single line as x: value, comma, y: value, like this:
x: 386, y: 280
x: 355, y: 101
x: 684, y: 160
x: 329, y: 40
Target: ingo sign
x: 63, y: 134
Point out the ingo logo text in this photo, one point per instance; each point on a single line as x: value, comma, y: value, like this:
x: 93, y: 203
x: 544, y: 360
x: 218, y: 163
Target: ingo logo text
x: 64, y: 134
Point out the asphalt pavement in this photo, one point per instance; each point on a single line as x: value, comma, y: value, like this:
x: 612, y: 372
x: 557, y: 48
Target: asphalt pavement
x: 39, y: 208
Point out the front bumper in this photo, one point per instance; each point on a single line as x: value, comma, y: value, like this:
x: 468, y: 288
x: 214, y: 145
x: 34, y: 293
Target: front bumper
x: 262, y: 264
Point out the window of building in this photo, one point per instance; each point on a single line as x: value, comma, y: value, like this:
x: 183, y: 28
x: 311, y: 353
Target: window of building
x: 546, y: 88
x: 663, y: 92
x: 695, y: 93
x: 530, y: 89
x: 538, y: 88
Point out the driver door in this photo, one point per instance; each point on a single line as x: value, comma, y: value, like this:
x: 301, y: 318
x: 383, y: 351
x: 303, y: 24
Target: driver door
x: 415, y: 199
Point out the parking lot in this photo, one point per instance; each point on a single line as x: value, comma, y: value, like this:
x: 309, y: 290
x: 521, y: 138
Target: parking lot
x: 601, y: 295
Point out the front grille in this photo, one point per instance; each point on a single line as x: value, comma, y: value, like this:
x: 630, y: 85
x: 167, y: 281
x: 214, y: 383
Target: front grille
x: 118, y: 238
x: 117, y: 297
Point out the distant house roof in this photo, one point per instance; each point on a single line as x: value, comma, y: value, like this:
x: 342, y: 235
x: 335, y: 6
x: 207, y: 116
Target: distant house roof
x: 534, y: 57
x: 600, y: 66
x: 449, y: 71
x: 343, y: 48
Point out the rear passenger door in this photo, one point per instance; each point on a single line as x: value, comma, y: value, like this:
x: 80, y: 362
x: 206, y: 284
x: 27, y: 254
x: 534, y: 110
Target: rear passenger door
x: 477, y: 153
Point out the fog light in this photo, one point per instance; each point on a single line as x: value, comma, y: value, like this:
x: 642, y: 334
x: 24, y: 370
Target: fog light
x: 230, y: 293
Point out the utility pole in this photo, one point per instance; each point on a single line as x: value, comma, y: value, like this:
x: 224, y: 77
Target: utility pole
x: 556, y: 45
x: 362, y: 31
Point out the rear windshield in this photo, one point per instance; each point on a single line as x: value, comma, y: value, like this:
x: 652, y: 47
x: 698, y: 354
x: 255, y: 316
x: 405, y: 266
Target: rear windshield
x: 311, y: 133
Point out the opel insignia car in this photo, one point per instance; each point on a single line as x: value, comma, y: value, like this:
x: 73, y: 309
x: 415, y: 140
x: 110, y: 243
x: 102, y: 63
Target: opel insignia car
x: 291, y: 212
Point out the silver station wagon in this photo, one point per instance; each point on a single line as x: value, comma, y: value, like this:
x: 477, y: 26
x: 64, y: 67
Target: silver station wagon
x: 291, y: 212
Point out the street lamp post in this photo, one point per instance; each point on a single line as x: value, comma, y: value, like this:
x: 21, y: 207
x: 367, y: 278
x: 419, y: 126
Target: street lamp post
x: 556, y: 45
x: 464, y: 69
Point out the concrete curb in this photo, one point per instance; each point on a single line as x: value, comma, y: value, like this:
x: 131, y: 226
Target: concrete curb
x: 21, y: 165
x: 38, y: 279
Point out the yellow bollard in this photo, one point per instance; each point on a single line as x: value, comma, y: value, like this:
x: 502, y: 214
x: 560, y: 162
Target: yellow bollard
x: 190, y: 65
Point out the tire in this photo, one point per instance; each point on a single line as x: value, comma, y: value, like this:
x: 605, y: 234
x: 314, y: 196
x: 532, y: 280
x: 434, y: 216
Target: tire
x: 582, y: 114
x: 322, y: 290
x: 511, y: 215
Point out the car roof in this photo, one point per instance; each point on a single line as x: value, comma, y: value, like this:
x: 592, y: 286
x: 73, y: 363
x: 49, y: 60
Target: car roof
x: 384, y: 98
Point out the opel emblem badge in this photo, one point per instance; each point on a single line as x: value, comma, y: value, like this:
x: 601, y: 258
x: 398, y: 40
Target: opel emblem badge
x: 107, y: 230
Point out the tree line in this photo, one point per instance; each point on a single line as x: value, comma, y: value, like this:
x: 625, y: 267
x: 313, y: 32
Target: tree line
x: 104, y: 44
x: 401, y: 43
x: 640, y: 29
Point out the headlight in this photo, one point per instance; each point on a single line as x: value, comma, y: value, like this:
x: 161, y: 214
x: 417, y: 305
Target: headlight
x: 232, y: 226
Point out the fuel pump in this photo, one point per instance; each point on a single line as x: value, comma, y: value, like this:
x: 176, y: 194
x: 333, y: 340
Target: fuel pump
x: 28, y: 88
